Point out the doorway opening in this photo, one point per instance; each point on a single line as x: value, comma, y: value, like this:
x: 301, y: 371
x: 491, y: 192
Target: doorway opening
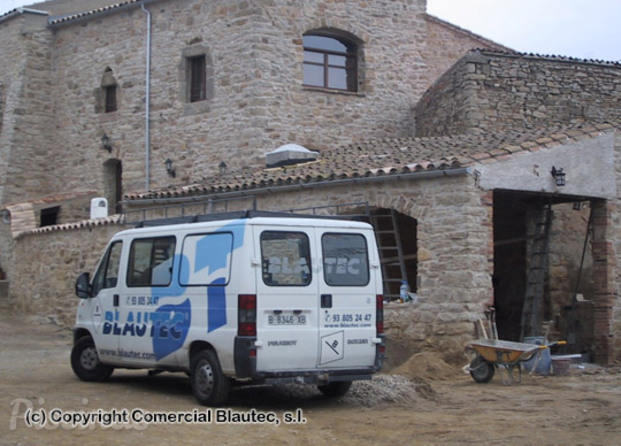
x: 113, y: 184
x: 543, y: 268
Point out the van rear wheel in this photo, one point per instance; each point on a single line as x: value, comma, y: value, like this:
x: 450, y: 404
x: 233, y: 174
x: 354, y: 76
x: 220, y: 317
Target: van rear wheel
x: 209, y: 385
x: 85, y: 362
x: 335, y: 389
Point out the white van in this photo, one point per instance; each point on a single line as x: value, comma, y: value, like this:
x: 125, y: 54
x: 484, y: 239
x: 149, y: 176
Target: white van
x: 254, y: 299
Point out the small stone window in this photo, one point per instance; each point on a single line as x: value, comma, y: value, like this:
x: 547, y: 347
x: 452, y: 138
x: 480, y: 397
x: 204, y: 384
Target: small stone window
x: 330, y: 61
x: 198, y: 81
x: 107, y: 95
x: 110, y: 99
x: 197, y: 74
x: 49, y: 216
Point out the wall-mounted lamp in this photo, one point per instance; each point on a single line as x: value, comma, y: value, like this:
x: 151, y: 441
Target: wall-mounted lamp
x: 105, y: 143
x: 169, y: 168
x: 222, y: 167
x: 559, y: 176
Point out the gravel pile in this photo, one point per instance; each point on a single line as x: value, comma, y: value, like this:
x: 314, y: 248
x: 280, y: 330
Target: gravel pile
x: 382, y: 389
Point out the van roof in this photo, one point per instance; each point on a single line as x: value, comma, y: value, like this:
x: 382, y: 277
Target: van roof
x: 245, y: 217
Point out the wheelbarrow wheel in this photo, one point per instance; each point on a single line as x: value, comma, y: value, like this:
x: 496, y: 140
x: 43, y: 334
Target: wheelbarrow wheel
x: 481, y: 370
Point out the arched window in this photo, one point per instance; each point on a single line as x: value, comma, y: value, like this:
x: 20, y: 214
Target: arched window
x: 330, y: 61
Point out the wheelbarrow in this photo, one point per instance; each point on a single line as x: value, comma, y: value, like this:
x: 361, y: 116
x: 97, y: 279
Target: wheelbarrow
x: 493, y: 355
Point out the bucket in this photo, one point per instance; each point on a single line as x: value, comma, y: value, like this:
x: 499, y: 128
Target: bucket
x: 560, y: 367
x: 544, y: 362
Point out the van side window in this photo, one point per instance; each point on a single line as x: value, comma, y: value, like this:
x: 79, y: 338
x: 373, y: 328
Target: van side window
x: 345, y: 259
x: 285, y: 258
x: 206, y: 259
x: 151, y: 262
x: 108, y: 272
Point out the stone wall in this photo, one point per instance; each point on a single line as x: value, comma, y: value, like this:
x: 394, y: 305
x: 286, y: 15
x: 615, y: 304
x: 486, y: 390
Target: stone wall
x: 27, y: 112
x: 497, y: 92
x: 447, y: 43
x: 43, y: 281
x: 258, y: 101
x: 454, y: 257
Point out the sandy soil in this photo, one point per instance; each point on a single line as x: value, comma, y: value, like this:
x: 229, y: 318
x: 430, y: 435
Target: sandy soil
x: 424, y: 401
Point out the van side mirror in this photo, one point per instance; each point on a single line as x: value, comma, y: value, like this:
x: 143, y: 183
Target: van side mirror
x: 83, y: 286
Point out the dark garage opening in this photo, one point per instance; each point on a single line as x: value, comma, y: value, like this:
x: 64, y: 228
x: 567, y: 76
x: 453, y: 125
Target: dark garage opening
x: 565, y: 302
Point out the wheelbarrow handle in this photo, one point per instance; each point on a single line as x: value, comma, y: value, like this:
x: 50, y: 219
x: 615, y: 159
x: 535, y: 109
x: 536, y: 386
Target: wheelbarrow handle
x: 543, y: 347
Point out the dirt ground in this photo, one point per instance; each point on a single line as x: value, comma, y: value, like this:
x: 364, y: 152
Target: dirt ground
x: 424, y: 401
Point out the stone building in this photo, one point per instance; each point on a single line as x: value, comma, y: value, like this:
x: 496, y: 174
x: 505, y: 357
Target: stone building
x: 454, y: 146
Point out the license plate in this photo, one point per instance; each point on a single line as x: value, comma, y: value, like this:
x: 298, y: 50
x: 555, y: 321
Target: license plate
x: 287, y: 319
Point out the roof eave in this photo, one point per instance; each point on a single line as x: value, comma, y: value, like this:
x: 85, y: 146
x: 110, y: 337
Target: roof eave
x: 72, y: 19
x: 276, y: 188
x: 19, y: 12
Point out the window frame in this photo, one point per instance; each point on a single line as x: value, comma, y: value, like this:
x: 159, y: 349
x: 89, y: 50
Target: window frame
x: 351, y: 66
x: 108, y: 94
x: 49, y: 216
x: 110, y: 99
x: 197, y: 78
x: 100, y: 278
x: 196, y: 98
x: 265, y: 274
x: 131, y: 262
x: 192, y: 264
x: 327, y: 279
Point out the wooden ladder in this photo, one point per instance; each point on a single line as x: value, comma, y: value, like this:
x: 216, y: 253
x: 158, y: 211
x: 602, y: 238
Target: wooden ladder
x: 536, y: 273
x: 390, y: 251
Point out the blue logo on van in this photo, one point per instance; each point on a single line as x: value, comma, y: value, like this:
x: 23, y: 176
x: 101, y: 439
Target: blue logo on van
x: 175, y: 326
x: 212, y: 253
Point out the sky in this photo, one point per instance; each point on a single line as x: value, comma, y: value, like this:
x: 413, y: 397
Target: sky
x: 585, y: 29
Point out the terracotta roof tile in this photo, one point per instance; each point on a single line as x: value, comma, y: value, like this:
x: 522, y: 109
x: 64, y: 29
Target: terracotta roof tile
x: 386, y: 157
x: 94, y: 12
x: 111, y: 220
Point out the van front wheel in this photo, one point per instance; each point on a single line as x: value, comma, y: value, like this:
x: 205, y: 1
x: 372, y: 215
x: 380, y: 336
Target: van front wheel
x: 85, y: 361
x: 209, y: 385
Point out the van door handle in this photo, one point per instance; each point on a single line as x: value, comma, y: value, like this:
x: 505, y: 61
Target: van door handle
x: 326, y: 301
x: 297, y: 311
x: 115, y: 300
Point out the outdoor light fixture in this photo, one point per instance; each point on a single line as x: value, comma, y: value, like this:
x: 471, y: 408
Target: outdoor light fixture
x: 559, y: 176
x: 222, y: 166
x: 105, y: 142
x: 169, y: 168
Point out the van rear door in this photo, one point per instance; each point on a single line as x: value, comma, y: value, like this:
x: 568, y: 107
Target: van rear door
x: 348, y: 289
x: 287, y: 299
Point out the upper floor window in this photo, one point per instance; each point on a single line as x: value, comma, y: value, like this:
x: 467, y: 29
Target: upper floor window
x: 107, y: 101
x: 330, y: 62
x: 110, y: 99
x: 197, y: 75
x: 198, y: 78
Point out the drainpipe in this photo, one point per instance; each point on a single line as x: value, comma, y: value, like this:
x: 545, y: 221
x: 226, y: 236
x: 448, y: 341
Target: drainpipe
x: 147, y: 135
